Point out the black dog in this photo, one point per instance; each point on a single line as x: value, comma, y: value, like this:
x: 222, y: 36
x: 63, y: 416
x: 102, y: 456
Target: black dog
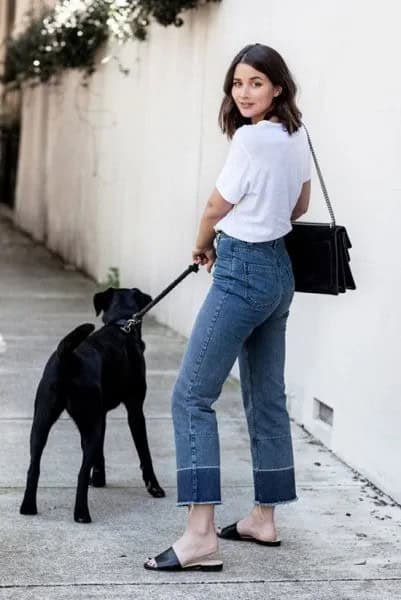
x: 89, y: 376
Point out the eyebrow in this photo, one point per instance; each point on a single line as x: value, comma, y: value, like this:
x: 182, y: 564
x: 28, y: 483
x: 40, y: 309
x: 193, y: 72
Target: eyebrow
x: 239, y: 78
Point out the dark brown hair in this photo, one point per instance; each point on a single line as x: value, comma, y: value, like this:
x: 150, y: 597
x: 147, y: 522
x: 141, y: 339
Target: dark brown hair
x: 267, y: 61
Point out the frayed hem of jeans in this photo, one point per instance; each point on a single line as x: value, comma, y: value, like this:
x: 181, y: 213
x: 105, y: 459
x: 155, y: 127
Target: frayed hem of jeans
x: 191, y: 502
x: 257, y: 502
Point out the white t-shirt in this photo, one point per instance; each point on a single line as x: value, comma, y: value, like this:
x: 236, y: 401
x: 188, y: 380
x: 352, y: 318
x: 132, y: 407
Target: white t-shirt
x: 263, y: 176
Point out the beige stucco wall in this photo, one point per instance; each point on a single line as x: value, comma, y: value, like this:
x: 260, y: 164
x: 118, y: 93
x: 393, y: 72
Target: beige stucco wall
x: 3, y: 35
x: 117, y: 174
x: 6, y: 112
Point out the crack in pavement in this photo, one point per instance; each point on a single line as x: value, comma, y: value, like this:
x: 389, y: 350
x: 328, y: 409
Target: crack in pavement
x: 194, y: 583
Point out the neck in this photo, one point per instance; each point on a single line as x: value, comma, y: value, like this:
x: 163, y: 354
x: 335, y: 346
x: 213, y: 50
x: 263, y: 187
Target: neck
x: 272, y: 119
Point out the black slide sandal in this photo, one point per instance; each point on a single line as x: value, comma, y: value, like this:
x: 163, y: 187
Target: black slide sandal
x: 230, y: 532
x: 168, y: 561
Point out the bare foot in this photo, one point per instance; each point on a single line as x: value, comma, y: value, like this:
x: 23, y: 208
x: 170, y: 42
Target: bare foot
x: 199, y: 539
x: 193, y: 546
x: 259, y: 524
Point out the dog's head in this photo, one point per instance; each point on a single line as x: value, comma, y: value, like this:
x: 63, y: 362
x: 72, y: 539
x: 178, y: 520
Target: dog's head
x: 119, y: 303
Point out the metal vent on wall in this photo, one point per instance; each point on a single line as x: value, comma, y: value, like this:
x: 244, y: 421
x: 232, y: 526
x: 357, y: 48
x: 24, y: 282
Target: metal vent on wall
x: 323, y: 412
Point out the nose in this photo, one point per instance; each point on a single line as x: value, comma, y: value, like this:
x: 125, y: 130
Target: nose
x: 244, y: 92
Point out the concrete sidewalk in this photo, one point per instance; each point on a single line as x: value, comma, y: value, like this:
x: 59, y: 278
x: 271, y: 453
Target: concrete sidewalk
x: 340, y: 540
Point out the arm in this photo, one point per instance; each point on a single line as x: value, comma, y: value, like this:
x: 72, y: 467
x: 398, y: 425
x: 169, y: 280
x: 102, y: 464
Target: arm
x: 216, y: 208
x: 302, y: 203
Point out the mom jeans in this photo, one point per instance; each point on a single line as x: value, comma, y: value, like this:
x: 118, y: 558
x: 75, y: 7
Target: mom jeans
x: 244, y: 316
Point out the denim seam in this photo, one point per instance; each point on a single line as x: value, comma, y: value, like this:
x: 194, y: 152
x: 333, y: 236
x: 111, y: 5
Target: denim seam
x: 279, y: 469
x: 250, y: 394
x: 195, y: 467
x: 193, y: 459
x: 205, y: 435
x: 205, y: 344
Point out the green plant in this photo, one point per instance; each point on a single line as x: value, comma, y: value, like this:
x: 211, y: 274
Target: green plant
x: 113, y: 279
x: 69, y: 35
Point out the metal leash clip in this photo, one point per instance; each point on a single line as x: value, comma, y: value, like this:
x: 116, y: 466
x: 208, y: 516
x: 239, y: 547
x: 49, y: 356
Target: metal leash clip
x: 137, y: 317
x: 130, y: 324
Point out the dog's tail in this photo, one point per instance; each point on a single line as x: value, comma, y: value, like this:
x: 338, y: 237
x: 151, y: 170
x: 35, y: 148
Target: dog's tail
x: 73, y: 339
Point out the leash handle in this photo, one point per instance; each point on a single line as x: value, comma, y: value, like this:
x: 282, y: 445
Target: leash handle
x: 137, y: 317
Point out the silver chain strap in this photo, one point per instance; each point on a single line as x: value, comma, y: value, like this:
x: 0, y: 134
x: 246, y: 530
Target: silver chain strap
x: 321, y: 180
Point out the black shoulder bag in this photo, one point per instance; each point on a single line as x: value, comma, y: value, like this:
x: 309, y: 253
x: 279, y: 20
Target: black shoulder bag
x: 319, y: 252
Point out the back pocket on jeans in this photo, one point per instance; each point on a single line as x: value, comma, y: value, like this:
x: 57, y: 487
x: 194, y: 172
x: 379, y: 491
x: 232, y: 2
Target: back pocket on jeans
x: 262, y: 285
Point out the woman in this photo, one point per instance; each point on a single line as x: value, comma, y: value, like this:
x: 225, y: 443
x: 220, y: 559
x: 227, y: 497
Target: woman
x: 264, y: 184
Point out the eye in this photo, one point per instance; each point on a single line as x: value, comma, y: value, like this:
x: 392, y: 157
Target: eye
x: 236, y: 83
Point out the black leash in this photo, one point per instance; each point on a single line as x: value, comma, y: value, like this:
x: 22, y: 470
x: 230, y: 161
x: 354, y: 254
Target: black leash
x: 137, y: 317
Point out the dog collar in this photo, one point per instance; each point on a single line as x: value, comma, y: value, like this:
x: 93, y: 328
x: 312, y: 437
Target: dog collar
x: 120, y: 322
x: 127, y: 325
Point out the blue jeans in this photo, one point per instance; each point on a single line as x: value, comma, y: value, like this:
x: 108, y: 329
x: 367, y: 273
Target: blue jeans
x: 244, y: 315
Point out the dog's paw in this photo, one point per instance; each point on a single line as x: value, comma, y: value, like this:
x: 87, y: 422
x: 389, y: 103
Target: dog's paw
x: 155, y: 490
x: 82, y: 517
x: 98, y: 479
x: 28, y: 509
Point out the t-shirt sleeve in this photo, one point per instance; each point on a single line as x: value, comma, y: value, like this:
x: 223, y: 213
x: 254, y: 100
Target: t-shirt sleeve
x: 233, y: 180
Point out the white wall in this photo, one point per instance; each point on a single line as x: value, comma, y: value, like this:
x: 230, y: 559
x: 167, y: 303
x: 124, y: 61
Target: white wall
x: 117, y: 174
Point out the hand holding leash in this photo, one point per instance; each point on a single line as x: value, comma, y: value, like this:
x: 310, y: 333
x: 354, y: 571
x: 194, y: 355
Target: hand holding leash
x: 205, y: 257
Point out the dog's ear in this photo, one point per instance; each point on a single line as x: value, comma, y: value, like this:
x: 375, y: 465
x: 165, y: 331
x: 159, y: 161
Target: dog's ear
x: 141, y: 298
x: 102, y: 300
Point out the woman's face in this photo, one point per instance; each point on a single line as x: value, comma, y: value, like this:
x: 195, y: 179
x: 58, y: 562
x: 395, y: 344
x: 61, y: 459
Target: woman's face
x: 252, y: 92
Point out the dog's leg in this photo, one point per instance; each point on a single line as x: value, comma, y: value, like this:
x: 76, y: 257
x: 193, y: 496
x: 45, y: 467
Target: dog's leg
x: 44, y: 418
x: 90, y: 440
x: 98, y: 477
x: 137, y: 425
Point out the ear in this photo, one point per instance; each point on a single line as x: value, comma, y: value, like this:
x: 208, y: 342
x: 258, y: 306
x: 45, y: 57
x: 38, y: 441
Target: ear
x: 141, y: 298
x: 102, y: 300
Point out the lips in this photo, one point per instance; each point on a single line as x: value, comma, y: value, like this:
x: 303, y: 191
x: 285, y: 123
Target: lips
x: 246, y: 105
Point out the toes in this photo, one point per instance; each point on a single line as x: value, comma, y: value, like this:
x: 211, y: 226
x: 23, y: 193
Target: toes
x: 155, y: 490
x: 82, y: 518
